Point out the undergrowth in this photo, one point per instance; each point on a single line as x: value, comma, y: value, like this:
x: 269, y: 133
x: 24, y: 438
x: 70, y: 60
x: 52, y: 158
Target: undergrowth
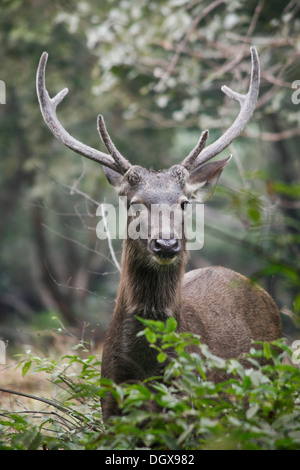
x: 257, y: 407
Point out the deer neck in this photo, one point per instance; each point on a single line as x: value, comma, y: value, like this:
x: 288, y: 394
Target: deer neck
x: 147, y: 289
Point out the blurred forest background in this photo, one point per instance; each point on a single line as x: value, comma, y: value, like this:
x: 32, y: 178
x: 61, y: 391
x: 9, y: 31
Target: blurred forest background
x: 154, y: 69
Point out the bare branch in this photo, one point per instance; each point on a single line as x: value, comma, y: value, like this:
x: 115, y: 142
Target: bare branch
x: 275, y: 136
x: 46, y: 401
x: 111, y: 249
x: 181, y: 46
x: 76, y: 242
x: 68, y: 286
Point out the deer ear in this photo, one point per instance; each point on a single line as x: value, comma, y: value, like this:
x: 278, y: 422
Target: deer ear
x: 113, y: 177
x: 203, y: 180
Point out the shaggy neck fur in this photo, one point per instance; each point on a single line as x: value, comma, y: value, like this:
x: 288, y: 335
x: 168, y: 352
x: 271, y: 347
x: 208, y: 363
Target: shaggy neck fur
x: 148, y: 289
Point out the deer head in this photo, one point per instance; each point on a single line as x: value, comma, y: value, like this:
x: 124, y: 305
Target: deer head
x: 193, y: 178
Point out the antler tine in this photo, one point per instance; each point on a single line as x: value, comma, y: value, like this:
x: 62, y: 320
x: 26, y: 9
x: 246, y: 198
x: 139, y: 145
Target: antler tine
x: 48, y: 108
x: 189, y: 161
x: 118, y: 158
x: 247, y: 105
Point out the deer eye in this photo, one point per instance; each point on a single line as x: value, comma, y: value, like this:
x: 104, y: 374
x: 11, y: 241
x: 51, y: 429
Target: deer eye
x: 183, y: 204
x: 134, y: 202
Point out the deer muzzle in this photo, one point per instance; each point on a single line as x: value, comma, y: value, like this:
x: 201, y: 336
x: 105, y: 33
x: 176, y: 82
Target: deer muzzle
x: 165, y: 250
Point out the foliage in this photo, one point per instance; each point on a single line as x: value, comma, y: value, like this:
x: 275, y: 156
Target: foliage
x: 257, y: 407
x: 154, y: 70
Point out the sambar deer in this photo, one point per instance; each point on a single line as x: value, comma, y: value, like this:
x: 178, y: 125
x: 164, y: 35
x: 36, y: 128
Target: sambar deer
x: 220, y: 305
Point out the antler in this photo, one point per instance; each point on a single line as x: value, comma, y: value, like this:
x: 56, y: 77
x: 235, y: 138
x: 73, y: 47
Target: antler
x: 48, y: 106
x: 189, y: 161
x: 247, y: 103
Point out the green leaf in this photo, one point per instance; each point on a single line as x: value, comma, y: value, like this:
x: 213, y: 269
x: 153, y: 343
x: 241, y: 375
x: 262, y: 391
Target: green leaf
x: 292, y: 190
x: 171, y: 325
x: 161, y: 357
x: 26, y: 367
x: 254, y: 214
x: 267, y: 350
x: 252, y: 410
x: 150, y: 335
x: 28, y: 440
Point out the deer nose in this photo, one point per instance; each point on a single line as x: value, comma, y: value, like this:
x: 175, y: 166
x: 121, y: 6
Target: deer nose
x: 165, y: 248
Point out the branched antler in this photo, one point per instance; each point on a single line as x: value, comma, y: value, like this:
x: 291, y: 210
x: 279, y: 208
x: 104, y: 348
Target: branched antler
x: 114, y: 159
x: 247, y: 105
x: 48, y: 108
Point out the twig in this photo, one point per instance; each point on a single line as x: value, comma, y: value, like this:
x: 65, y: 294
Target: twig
x: 274, y: 136
x: 37, y: 414
x: 77, y: 181
x: 76, y: 242
x: 111, y: 249
x: 231, y: 63
x: 67, y: 285
x: 47, y: 401
x: 72, y: 188
x: 181, y: 46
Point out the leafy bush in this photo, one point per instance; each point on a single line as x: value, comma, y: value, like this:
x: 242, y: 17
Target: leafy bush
x: 254, y: 408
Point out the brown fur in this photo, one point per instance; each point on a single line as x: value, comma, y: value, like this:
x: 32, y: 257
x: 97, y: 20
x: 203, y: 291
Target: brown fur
x: 221, y: 306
